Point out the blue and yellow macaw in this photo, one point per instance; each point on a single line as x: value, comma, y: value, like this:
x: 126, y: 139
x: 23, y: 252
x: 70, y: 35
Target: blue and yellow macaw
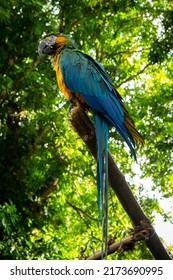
x: 82, y: 77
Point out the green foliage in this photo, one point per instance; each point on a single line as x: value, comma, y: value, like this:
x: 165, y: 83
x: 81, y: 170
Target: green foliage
x: 48, y: 207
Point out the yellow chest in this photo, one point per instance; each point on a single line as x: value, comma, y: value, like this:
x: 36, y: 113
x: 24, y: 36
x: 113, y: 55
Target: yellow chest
x: 59, y: 77
x: 62, y: 86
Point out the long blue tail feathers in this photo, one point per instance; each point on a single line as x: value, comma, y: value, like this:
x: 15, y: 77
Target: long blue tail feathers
x: 102, y: 132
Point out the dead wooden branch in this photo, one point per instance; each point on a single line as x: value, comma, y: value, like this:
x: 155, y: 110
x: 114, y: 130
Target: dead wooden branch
x: 84, y: 127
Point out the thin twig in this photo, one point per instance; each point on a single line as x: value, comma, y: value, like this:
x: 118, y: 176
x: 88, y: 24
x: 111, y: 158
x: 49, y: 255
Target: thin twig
x: 80, y: 212
x: 134, y: 76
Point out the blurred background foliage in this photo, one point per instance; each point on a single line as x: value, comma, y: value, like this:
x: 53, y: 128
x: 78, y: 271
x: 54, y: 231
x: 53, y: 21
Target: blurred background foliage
x: 48, y: 207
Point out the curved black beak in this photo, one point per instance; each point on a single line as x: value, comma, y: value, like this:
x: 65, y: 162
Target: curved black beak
x: 45, y: 48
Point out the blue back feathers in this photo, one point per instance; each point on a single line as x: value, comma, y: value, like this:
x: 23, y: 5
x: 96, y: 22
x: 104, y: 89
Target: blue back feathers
x: 84, y: 75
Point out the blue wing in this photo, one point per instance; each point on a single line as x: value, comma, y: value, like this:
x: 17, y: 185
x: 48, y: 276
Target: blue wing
x: 84, y: 75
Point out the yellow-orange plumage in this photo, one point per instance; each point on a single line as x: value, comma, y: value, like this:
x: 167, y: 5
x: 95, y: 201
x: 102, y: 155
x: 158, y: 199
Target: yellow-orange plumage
x: 67, y: 93
x: 62, y: 87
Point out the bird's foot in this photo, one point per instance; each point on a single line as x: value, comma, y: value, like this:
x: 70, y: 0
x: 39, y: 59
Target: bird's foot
x: 73, y: 103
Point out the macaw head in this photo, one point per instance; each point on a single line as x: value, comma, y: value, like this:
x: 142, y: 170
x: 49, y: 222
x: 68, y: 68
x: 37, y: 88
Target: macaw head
x: 52, y: 44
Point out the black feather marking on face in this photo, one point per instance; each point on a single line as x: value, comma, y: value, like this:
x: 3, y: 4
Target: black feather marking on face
x: 47, y: 45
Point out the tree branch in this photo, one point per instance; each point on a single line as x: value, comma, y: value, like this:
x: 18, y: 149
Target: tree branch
x: 84, y: 127
x: 127, y: 243
x: 80, y: 212
x: 50, y: 189
x: 134, y: 76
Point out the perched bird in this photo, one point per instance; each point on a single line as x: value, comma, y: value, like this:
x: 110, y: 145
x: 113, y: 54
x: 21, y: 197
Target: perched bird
x: 82, y: 77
